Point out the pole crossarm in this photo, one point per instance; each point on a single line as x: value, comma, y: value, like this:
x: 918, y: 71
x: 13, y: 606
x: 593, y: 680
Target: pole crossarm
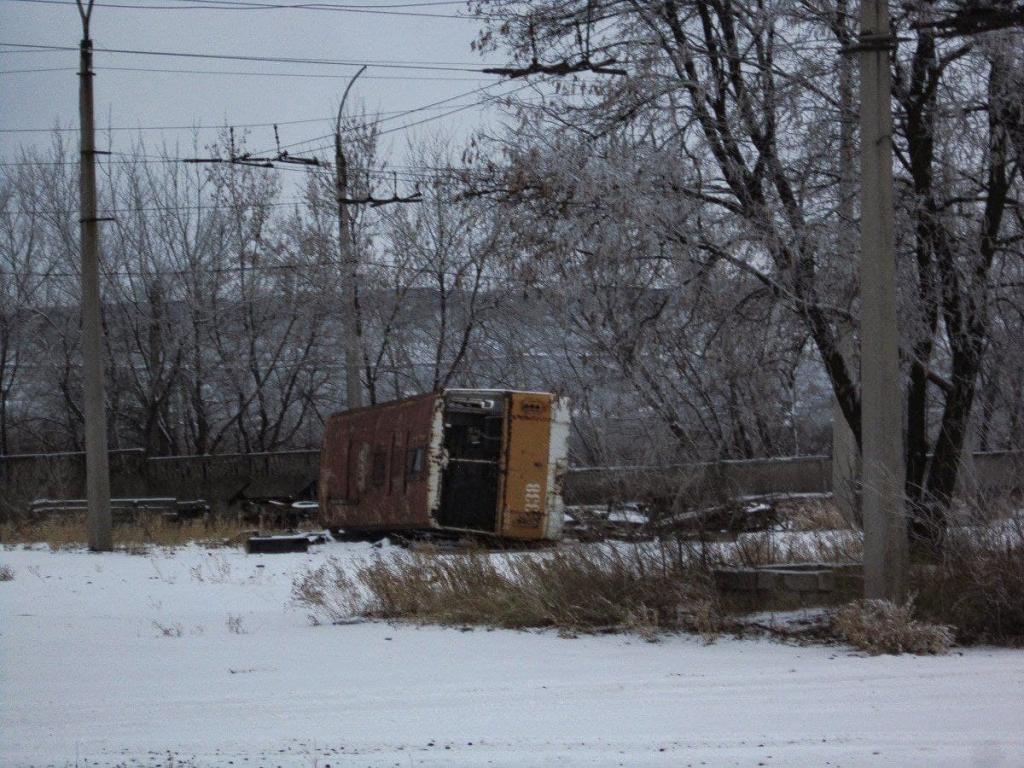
x: 559, y: 69
x: 377, y: 202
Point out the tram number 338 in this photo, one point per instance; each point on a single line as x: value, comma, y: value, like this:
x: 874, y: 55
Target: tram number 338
x: 532, y: 498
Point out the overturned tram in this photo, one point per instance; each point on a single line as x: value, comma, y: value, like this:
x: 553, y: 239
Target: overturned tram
x: 463, y: 460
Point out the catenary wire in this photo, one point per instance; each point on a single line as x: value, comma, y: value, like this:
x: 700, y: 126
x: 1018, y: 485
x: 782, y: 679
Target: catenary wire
x: 227, y: 5
x: 240, y: 73
x: 442, y: 66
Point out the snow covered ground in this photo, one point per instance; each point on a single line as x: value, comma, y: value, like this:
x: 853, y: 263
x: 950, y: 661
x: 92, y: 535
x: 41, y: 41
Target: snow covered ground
x: 93, y: 671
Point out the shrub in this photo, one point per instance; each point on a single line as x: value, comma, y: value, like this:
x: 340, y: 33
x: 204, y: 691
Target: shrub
x: 582, y: 589
x: 879, y: 626
x: 977, y: 585
x: 6, y: 573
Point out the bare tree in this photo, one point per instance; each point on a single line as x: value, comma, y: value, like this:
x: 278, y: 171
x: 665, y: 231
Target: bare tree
x: 728, y: 99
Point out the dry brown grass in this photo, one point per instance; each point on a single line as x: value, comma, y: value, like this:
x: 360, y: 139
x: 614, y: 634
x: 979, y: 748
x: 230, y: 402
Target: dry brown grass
x: 69, y: 531
x: 644, y: 589
x: 977, y: 585
x: 811, y: 514
x: 878, y: 626
x: 773, y: 547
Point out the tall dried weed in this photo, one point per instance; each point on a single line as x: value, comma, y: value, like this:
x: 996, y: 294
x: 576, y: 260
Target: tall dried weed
x: 644, y: 589
x: 879, y: 626
x: 977, y: 583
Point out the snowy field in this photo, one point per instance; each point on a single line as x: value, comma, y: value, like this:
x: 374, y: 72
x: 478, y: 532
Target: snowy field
x: 93, y: 672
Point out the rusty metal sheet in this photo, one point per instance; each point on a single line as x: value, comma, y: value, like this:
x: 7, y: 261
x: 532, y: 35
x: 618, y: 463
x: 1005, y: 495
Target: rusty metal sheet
x: 375, y: 466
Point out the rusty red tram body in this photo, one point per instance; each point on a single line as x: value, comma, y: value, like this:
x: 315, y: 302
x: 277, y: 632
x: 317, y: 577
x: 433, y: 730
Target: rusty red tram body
x: 482, y: 461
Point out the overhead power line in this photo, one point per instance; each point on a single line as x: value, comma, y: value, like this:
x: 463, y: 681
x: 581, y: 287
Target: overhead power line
x: 417, y: 269
x: 440, y: 66
x: 269, y: 124
x: 411, y: 175
x: 417, y: 122
x: 412, y: 111
x: 242, y: 73
x: 37, y: 69
x: 463, y: 108
x: 245, y: 5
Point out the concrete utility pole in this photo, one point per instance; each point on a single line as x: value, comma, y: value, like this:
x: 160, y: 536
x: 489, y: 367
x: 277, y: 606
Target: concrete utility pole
x: 845, y: 451
x: 97, y: 471
x: 885, y: 528
x: 350, y: 267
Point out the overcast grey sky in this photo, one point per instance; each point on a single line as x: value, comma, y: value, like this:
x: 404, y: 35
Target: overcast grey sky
x: 42, y: 99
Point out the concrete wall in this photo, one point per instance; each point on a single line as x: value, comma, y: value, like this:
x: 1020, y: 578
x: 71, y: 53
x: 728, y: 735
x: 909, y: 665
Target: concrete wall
x: 62, y: 476
x: 992, y: 473
x: 701, y: 482
x: 221, y: 480
x: 224, y: 479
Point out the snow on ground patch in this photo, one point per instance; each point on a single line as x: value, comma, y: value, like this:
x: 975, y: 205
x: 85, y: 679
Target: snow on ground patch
x: 87, y: 671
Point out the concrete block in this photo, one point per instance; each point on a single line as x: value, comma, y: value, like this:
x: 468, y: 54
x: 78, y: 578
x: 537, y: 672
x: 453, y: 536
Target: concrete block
x: 801, y: 581
x: 271, y: 545
x: 768, y: 580
x: 737, y: 580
